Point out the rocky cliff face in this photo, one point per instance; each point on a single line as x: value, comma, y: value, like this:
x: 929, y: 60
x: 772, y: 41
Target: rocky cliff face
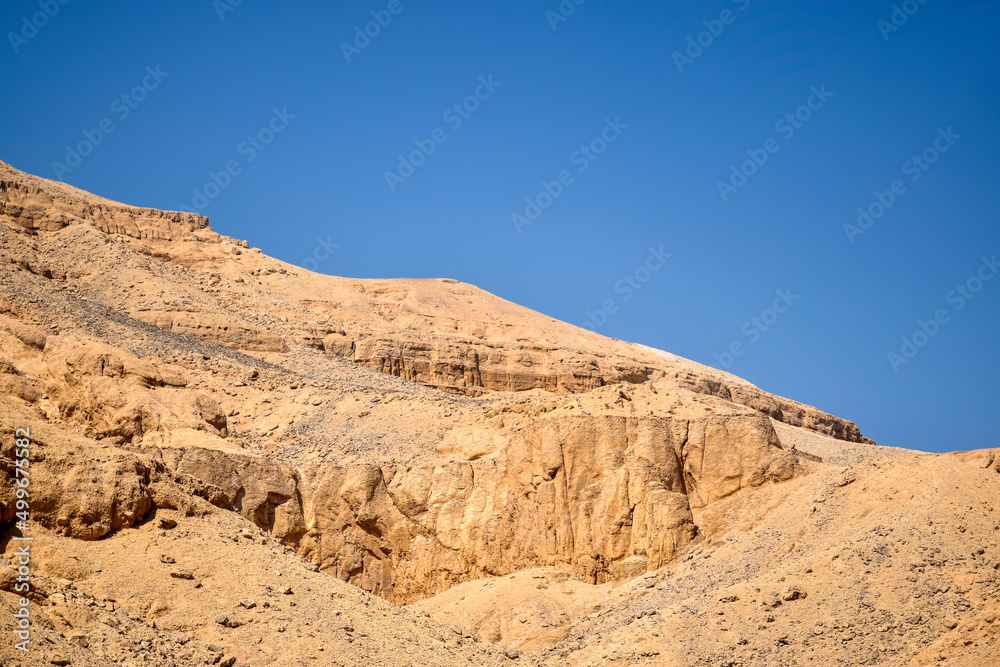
x: 473, y: 366
x: 604, y: 495
x: 32, y: 204
x: 601, y: 484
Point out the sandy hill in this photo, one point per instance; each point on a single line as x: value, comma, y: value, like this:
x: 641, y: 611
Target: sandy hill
x: 237, y: 461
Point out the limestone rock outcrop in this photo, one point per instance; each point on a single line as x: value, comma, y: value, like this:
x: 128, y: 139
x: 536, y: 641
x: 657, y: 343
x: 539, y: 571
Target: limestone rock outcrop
x: 73, y: 490
x: 212, y: 328
x: 606, y: 495
x: 35, y: 205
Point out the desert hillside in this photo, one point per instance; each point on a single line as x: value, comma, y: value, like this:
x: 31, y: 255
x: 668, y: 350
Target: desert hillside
x: 236, y: 461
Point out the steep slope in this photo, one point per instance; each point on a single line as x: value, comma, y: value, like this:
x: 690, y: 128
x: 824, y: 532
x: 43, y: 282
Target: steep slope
x: 119, y: 340
x: 440, y: 333
x: 420, y: 439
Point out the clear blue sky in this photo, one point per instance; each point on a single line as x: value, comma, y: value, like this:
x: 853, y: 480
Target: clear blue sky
x: 889, y: 95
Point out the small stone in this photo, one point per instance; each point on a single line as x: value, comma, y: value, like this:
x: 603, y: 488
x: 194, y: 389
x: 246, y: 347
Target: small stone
x: 182, y: 574
x: 951, y: 623
x: 214, y: 648
x: 233, y: 623
x: 287, y: 590
x: 513, y: 655
x: 59, y: 660
x: 457, y: 630
x: 847, y: 477
x: 167, y: 524
x: 167, y: 559
x: 793, y: 593
x: 248, y: 603
x: 222, y: 619
x: 228, y: 662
